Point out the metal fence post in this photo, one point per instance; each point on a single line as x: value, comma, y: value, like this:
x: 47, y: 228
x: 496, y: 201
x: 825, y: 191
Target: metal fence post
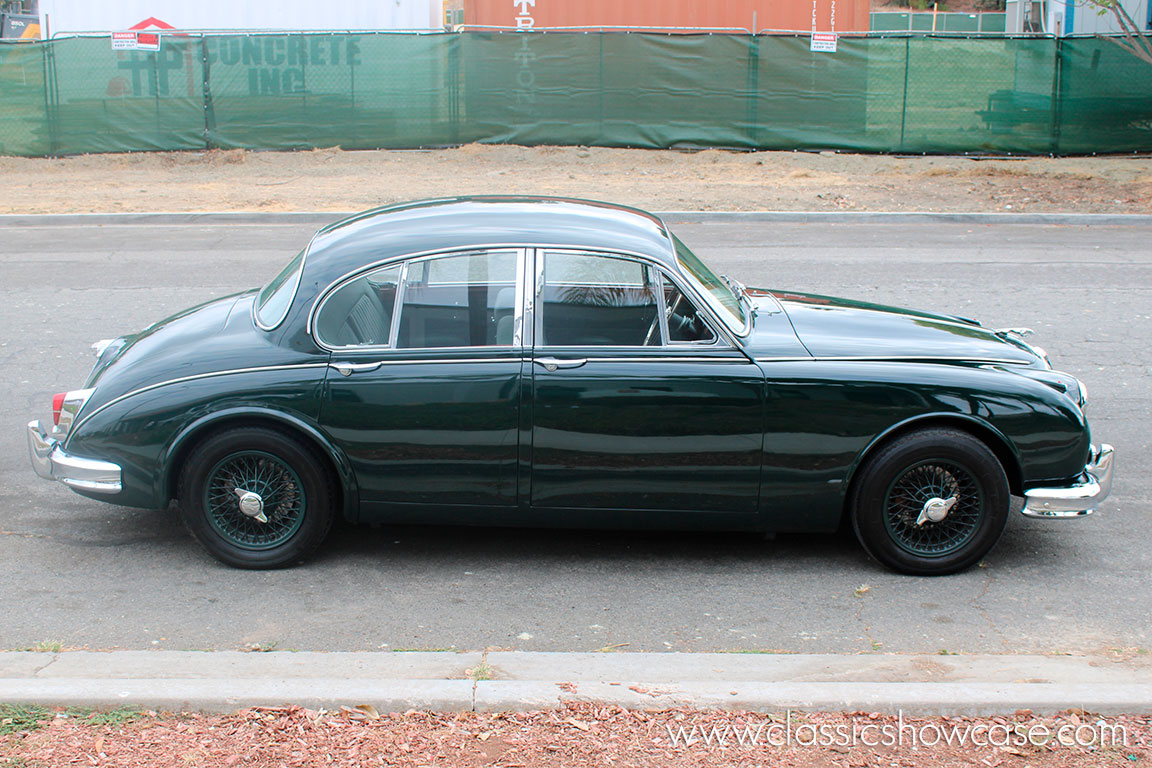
x: 1057, y: 96
x: 904, y: 106
x: 51, y: 98
x: 600, y: 90
x: 209, y: 113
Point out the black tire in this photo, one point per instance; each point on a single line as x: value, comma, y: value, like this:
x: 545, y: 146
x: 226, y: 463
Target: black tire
x: 898, y: 482
x: 294, y: 489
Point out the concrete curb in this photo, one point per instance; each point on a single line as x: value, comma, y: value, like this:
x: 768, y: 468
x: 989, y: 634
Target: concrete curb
x: 922, y: 685
x: 319, y: 219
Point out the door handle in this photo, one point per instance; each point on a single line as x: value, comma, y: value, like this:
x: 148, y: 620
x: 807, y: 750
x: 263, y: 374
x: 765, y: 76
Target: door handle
x: 552, y: 363
x: 347, y: 369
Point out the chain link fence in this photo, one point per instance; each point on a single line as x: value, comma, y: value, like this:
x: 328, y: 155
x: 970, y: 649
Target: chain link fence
x: 905, y: 94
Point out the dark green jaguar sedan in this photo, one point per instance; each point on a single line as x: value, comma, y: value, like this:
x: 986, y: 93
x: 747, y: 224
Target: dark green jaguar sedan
x: 563, y: 363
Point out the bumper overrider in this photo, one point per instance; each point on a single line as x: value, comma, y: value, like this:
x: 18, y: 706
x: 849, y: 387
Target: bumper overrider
x: 1079, y: 499
x: 51, y: 461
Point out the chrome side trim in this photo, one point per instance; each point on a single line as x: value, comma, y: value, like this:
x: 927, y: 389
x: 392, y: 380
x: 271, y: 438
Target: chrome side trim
x: 437, y: 360
x: 54, y: 463
x: 196, y: 377
x: 1079, y: 499
x: 893, y: 359
x: 666, y: 359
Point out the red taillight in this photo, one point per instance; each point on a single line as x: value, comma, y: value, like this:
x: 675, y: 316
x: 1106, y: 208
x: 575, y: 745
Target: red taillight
x: 57, y: 404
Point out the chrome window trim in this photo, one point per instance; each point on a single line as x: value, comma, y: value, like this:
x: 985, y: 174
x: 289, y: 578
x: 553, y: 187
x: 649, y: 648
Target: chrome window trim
x: 181, y: 380
x: 691, y: 294
x: 724, y: 334
x: 401, y: 287
x: 662, y: 309
x: 395, y: 308
x: 518, y: 301
x: 713, y: 342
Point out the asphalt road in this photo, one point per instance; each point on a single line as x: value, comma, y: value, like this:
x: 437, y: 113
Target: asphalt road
x: 84, y: 573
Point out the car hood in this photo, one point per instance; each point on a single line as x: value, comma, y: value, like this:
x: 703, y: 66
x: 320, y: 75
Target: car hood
x: 832, y: 327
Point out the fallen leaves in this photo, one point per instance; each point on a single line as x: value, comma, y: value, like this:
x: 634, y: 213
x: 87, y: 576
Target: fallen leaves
x: 575, y: 736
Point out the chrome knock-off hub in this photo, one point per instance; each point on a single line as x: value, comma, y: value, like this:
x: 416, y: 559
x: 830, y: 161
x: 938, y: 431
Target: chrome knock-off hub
x: 251, y: 504
x: 935, y: 510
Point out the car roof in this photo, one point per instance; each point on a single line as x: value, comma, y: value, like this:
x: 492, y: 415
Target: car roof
x: 473, y: 222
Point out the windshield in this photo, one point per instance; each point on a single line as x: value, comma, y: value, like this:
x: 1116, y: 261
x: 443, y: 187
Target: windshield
x: 715, y: 290
x: 274, y: 299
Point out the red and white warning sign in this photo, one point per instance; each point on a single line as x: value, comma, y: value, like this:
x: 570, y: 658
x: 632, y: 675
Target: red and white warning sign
x: 824, y: 42
x: 141, y: 36
x: 135, y: 41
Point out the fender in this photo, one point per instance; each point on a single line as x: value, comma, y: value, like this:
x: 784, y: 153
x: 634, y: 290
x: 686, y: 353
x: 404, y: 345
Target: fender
x: 1006, y: 450
x: 184, y: 438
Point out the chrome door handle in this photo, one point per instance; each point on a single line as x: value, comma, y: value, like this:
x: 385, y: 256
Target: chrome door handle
x: 552, y: 363
x: 347, y: 369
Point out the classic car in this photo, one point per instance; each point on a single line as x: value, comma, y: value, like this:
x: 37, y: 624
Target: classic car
x: 563, y: 363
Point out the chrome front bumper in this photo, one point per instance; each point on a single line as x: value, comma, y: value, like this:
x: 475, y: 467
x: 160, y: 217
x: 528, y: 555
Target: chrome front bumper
x: 53, y: 463
x: 1080, y: 498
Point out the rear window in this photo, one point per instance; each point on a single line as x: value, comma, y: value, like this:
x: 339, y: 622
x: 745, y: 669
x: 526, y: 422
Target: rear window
x: 275, y: 298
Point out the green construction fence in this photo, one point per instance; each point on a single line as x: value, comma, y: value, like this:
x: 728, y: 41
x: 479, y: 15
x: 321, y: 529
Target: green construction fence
x: 905, y: 94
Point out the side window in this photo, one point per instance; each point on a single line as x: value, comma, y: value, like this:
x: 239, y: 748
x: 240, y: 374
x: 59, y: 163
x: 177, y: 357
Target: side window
x: 593, y: 300
x: 359, y: 313
x: 464, y: 300
x: 684, y: 321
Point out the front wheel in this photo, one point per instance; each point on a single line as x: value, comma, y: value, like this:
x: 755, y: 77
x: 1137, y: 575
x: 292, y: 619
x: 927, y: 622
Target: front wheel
x: 931, y: 502
x: 256, y: 498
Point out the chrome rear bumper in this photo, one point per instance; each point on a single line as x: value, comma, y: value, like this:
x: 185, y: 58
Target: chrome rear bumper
x: 1079, y: 499
x: 53, y: 463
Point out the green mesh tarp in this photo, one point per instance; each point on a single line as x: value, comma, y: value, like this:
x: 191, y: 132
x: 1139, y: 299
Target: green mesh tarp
x: 874, y: 94
x: 23, y: 101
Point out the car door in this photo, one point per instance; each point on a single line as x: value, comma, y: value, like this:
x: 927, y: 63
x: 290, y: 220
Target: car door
x: 424, y: 389
x: 642, y: 413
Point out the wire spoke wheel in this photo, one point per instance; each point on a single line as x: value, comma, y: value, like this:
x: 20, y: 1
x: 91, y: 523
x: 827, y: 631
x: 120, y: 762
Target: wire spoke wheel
x: 273, y: 510
x: 920, y: 487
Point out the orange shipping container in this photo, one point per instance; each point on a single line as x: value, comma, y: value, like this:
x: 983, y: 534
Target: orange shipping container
x: 752, y: 15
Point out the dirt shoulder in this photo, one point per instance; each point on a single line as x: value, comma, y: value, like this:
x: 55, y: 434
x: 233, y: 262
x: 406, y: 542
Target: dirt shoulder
x: 581, y: 735
x: 334, y: 180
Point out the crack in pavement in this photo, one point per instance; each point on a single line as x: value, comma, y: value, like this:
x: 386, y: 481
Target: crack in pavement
x: 36, y: 672
x: 989, y: 579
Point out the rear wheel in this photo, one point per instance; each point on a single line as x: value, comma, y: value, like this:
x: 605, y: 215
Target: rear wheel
x: 931, y: 502
x: 256, y: 497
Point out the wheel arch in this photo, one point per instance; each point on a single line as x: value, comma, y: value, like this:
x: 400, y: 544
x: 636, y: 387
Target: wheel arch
x: 995, y: 440
x: 204, y: 427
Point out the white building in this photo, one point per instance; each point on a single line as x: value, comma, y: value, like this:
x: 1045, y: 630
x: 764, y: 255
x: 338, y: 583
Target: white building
x: 69, y: 16
x: 1070, y: 17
